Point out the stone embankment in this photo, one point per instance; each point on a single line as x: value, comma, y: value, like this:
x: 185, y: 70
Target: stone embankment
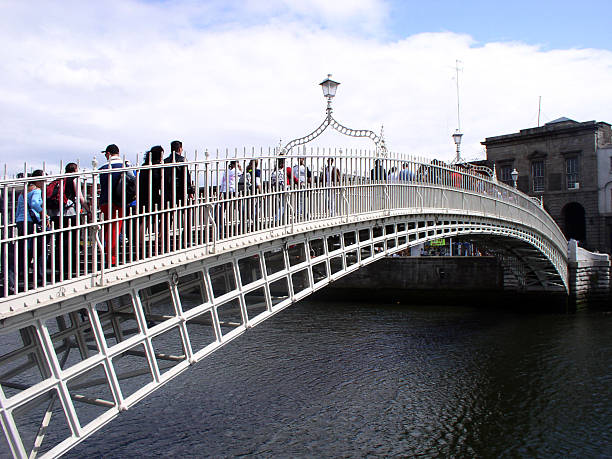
x: 472, y: 281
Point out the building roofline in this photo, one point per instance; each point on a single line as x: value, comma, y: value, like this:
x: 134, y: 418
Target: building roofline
x: 555, y: 128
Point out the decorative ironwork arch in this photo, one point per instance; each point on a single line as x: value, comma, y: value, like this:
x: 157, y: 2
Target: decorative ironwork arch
x: 379, y: 141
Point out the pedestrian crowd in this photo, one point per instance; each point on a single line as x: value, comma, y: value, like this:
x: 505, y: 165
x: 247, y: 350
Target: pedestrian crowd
x: 49, y: 217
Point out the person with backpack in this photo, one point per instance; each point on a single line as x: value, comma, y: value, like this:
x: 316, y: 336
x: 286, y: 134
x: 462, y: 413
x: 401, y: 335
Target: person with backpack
x: 65, y: 204
x: 250, y: 181
x: 29, y: 219
x: 112, y: 186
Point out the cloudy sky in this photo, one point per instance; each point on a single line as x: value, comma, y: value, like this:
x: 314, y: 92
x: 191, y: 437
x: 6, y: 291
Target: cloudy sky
x: 78, y: 75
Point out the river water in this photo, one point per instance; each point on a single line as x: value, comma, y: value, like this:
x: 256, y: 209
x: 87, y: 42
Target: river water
x: 340, y: 379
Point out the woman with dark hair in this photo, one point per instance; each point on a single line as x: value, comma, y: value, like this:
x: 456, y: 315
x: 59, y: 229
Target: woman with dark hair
x: 150, y: 194
x: 67, y: 241
x: 150, y: 180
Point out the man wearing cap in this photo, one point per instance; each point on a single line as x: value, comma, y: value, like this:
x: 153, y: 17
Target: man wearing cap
x: 178, y: 186
x: 108, y: 183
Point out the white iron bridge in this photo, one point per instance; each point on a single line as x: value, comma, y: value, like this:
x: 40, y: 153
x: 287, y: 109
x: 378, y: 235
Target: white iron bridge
x: 100, y: 308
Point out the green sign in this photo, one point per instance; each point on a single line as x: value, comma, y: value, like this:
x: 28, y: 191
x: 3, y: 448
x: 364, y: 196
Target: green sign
x: 438, y: 243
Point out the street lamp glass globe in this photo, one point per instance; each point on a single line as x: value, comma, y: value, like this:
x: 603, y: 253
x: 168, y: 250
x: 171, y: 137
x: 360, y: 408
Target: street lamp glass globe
x: 514, y: 175
x: 329, y: 86
x: 457, y: 137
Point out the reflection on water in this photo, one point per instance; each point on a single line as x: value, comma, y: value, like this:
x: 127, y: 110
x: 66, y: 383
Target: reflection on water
x: 338, y: 379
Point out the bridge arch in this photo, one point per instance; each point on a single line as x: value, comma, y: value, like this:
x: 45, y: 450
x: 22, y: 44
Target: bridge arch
x: 104, y: 342
x: 148, y: 330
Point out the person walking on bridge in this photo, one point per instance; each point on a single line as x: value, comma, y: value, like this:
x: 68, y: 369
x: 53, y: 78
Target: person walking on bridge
x: 178, y: 187
x: 227, y: 218
x: 150, y: 200
x: 378, y: 172
x: 29, y: 219
x: 66, y: 214
x: 281, y: 178
x: 331, y: 178
x: 179, y: 191
x: 303, y: 176
x: 405, y: 174
x: 110, y: 195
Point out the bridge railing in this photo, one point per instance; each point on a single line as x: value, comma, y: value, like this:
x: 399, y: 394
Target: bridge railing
x: 97, y: 221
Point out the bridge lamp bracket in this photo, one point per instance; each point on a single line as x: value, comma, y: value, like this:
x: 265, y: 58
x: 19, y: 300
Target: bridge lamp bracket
x: 330, y: 87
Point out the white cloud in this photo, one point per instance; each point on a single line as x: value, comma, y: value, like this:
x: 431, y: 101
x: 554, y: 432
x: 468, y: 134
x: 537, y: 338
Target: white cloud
x: 75, y: 79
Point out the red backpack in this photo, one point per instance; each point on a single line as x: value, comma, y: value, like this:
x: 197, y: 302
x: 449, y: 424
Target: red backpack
x: 53, y: 194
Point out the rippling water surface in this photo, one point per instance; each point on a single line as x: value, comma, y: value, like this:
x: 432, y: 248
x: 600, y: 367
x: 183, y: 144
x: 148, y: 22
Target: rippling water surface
x: 353, y: 380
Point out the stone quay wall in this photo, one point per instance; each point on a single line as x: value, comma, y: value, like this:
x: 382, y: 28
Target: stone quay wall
x: 429, y: 280
x: 471, y: 280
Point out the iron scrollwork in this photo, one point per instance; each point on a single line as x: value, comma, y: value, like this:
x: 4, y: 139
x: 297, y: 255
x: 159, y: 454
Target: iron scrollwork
x: 379, y: 141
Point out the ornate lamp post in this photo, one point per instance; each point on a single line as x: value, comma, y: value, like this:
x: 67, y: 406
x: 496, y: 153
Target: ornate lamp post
x: 330, y: 87
x: 457, y: 139
x: 514, y: 175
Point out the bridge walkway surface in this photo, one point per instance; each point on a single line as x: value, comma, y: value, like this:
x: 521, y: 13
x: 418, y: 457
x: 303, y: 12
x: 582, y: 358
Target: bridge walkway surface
x: 100, y: 309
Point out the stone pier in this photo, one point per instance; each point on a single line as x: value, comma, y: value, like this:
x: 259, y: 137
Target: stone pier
x: 589, y: 276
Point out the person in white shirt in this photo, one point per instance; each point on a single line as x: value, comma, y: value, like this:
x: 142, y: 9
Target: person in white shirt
x: 230, y: 177
x: 302, y: 173
x: 226, y: 190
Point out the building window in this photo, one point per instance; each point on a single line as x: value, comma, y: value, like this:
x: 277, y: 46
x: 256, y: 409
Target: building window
x: 506, y: 175
x: 537, y: 175
x: 610, y: 164
x: 572, y: 173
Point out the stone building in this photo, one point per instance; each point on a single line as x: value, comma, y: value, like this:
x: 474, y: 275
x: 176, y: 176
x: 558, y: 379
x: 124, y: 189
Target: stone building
x: 568, y: 164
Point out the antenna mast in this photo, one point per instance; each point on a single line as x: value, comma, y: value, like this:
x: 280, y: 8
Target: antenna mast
x: 457, y: 62
x: 457, y: 135
x: 539, y: 110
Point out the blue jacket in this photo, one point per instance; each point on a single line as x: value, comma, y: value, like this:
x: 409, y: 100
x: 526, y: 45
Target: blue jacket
x: 35, y: 207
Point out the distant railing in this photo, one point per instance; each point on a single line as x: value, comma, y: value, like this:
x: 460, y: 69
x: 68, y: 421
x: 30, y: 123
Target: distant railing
x: 180, y: 206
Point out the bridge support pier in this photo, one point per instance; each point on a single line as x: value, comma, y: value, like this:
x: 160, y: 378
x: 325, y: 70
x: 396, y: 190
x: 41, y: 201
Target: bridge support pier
x: 589, y: 276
